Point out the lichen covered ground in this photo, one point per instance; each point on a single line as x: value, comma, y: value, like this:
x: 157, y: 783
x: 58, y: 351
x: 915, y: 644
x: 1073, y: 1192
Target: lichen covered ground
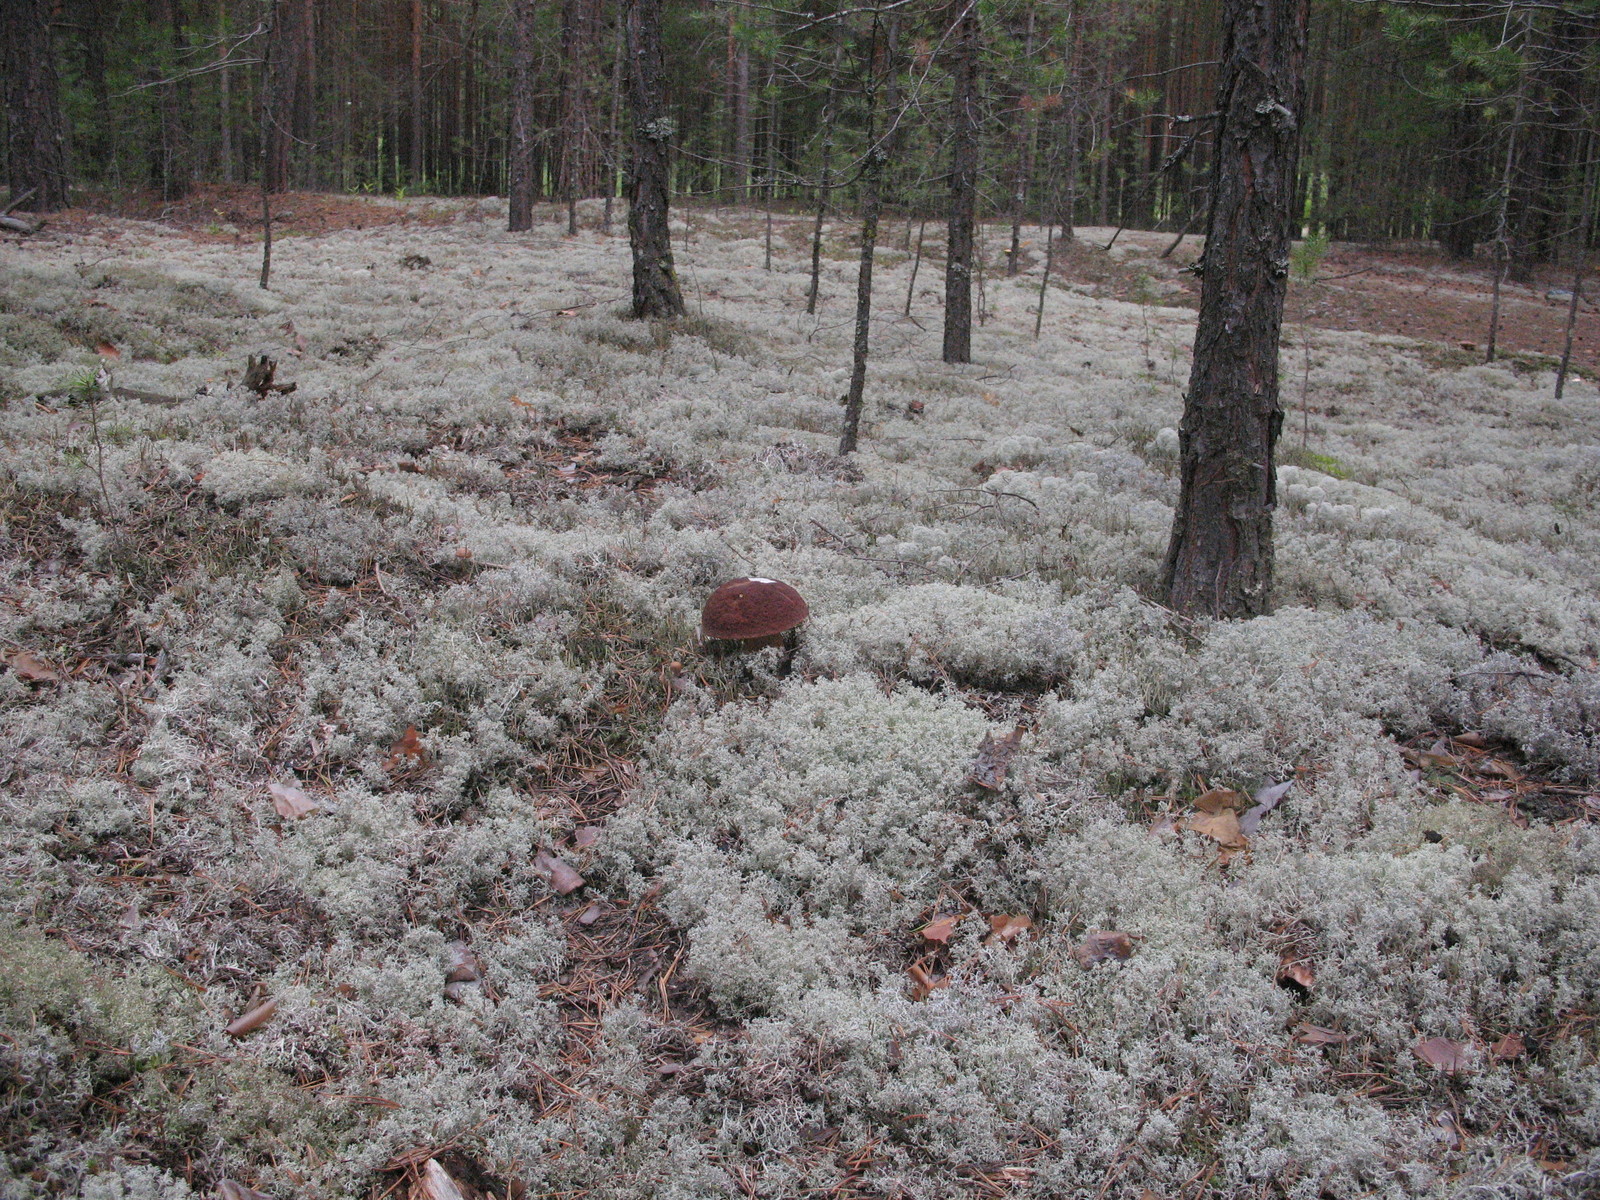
x: 330, y: 698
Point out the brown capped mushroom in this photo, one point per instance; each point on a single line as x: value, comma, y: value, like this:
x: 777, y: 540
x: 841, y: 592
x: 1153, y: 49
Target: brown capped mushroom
x: 752, y: 612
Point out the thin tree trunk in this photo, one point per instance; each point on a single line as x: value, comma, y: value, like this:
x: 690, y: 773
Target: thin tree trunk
x: 1504, y: 254
x: 738, y: 99
x: 574, y: 105
x: 613, y: 154
x: 1044, y: 281
x: 225, y: 97
x: 269, y: 141
x: 36, y: 146
x: 655, y: 285
x: 280, y: 75
x: 1580, y: 271
x: 916, y: 263
x: 824, y: 185
x: 416, y: 160
x: 963, y: 190
x: 1502, y: 257
x: 1219, y: 562
x: 771, y: 188
x: 1025, y: 140
x: 871, y: 197
x: 520, y: 192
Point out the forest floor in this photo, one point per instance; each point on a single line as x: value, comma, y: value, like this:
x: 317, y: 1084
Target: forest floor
x: 1404, y: 289
x: 373, y: 821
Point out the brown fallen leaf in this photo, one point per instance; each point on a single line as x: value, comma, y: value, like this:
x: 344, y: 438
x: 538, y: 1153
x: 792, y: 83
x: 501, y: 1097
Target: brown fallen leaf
x: 463, y: 965
x: 994, y: 756
x: 1497, y: 766
x: 1218, y: 800
x: 1476, y: 740
x: 253, y: 1020
x: 1221, y: 827
x: 1316, y: 1035
x: 291, y: 802
x: 559, y: 875
x: 1163, y: 825
x: 1005, y: 927
x: 1102, y: 945
x: 107, y: 350
x: 1295, y: 973
x: 586, y: 836
x: 924, y: 984
x: 407, y: 746
x: 1509, y: 1047
x: 1267, y: 799
x: 589, y: 915
x: 940, y: 929
x: 228, y: 1189
x: 29, y: 666
x: 1442, y: 1054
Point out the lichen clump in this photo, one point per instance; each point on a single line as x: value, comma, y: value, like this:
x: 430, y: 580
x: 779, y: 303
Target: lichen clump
x: 449, y: 591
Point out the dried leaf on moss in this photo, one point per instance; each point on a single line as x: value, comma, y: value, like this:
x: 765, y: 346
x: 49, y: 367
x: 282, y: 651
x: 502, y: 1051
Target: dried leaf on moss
x: 30, y: 667
x: 1006, y: 927
x: 1295, y: 973
x: 291, y: 802
x: 1316, y: 1035
x: 253, y: 1020
x: 408, y: 746
x: 994, y: 757
x: 1102, y: 945
x: 1221, y: 826
x: 1219, y: 800
x: 1509, y: 1047
x: 924, y: 983
x: 1267, y: 799
x: 1442, y: 1054
x: 561, y: 877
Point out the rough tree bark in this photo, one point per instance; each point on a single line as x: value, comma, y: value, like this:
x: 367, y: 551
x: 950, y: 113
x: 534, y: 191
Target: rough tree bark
x: 521, y: 166
x: 655, y: 285
x: 416, y: 159
x: 1219, y: 562
x: 738, y: 101
x: 577, y: 135
x: 280, y: 79
x: 963, y: 188
x: 36, y: 146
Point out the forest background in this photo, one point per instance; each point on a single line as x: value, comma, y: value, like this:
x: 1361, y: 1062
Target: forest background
x: 1471, y: 123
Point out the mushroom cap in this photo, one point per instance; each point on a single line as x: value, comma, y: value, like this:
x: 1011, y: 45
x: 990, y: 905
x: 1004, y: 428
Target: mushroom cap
x: 743, y: 609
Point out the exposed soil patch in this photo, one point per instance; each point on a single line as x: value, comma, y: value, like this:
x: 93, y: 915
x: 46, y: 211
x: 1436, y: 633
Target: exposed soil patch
x: 223, y: 213
x: 1404, y: 290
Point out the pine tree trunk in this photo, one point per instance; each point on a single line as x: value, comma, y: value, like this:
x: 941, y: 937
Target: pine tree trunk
x: 655, y: 285
x: 613, y: 152
x: 1219, y: 562
x: 576, y: 134
x: 416, y: 161
x: 280, y: 79
x: 738, y: 101
x: 521, y: 186
x: 36, y: 146
x: 963, y: 191
x: 871, y: 203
